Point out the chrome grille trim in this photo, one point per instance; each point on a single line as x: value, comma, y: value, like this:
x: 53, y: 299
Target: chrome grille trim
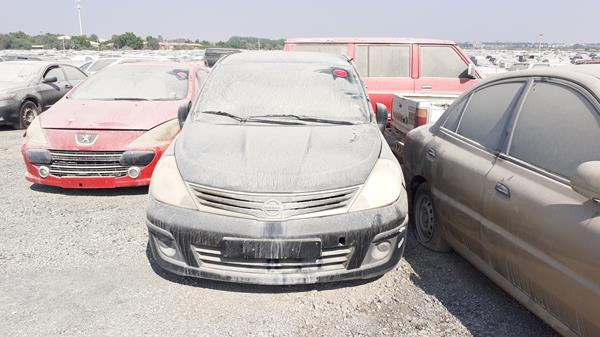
x: 87, y: 164
x: 293, y: 205
x: 331, y: 259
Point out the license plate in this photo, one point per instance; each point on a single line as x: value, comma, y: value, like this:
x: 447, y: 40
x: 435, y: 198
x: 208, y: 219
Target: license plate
x: 250, y: 249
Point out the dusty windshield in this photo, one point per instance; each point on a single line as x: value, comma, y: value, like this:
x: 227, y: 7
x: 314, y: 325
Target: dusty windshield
x: 136, y: 82
x: 306, y: 89
x: 17, y: 72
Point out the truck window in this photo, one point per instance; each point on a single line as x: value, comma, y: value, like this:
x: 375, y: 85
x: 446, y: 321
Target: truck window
x: 438, y: 61
x: 322, y: 48
x: 383, y: 61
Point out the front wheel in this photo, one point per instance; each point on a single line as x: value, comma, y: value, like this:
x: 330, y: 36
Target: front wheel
x: 29, y: 110
x: 427, y: 227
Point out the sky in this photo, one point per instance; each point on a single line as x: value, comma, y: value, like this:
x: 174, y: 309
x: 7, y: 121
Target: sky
x: 458, y: 20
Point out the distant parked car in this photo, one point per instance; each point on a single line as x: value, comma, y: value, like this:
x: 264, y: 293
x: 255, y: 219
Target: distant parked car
x: 29, y: 87
x: 112, y: 129
x: 212, y: 55
x: 279, y: 176
x: 105, y: 62
x: 509, y: 177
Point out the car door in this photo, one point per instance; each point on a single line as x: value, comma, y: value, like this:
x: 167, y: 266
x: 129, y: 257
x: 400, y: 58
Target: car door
x: 539, y: 234
x: 51, y: 92
x: 442, y: 70
x: 385, y: 69
x: 465, y: 150
x: 74, y: 75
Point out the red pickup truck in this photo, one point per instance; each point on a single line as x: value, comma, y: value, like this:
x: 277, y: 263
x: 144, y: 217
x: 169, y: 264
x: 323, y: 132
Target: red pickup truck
x: 399, y: 65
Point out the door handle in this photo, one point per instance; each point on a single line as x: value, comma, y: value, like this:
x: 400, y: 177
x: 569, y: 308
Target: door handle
x: 427, y: 87
x: 503, y: 189
x: 431, y: 153
x: 68, y: 86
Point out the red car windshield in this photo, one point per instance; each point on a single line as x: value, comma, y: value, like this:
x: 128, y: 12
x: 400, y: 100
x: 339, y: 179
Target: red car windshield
x: 135, y: 82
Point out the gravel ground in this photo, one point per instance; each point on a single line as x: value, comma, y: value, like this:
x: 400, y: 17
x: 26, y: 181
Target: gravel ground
x: 77, y: 263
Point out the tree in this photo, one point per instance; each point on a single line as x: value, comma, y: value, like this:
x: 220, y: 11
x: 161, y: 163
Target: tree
x: 152, y: 43
x: 81, y: 42
x: 128, y: 39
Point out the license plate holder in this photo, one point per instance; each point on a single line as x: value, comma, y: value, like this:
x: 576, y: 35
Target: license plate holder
x: 260, y: 249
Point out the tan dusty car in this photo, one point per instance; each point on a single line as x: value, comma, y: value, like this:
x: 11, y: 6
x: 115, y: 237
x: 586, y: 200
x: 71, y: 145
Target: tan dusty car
x: 509, y: 177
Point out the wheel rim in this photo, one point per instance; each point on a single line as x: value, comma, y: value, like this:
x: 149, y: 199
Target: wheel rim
x: 425, y: 219
x: 29, y: 113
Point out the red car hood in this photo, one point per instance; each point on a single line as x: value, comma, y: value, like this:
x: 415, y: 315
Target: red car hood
x: 111, y: 115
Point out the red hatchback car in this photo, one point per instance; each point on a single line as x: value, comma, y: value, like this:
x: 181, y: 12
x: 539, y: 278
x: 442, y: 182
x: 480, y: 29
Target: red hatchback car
x: 111, y: 130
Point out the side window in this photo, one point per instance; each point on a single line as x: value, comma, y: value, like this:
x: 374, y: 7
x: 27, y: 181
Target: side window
x: 383, y: 61
x: 557, y: 129
x: 55, y: 71
x: 453, y: 114
x: 73, y: 74
x: 438, y: 61
x: 484, y: 120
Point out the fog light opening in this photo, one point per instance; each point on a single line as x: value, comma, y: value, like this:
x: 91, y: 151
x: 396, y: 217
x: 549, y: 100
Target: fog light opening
x: 166, y: 246
x: 133, y: 172
x: 382, y: 250
x: 44, y: 171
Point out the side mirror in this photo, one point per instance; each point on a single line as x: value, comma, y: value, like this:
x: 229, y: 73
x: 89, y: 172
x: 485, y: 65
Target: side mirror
x: 472, y: 72
x: 183, y: 113
x: 586, y: 180
x: 50, y: 79
x: 381, y: 115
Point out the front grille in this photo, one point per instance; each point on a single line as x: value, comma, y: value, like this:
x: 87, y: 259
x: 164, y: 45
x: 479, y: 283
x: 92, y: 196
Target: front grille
x: 87, y: 164
x: 273, y: 206
x: 331, y: 259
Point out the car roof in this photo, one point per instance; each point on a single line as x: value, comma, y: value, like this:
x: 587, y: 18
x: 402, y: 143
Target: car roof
x: 369, y: 40
x: 586, y: 75
x: 284, y: 57
x: 153, y: 63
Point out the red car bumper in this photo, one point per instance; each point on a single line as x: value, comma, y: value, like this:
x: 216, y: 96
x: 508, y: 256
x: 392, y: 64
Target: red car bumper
x: 33, y: 175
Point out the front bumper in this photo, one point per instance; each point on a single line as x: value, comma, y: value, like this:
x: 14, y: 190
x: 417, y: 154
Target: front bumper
x: 190, y: 232
x: 76, y: 182
x: 9, y: 112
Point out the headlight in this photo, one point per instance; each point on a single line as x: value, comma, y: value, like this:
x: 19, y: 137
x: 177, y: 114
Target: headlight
x: 160, y: 135
x: 35, y: 133
x: 7, y: 97
x: 167, y: 185
x: 384, y: 186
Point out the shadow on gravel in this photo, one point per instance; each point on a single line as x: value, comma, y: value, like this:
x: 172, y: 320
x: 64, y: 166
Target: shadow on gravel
x: 481, y: 306
x: 248, y: 288
x: 103, y: 192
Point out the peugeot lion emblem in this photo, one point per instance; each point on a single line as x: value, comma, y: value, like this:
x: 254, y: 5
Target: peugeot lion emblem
x: 85, y: 139
x: 272, y: 208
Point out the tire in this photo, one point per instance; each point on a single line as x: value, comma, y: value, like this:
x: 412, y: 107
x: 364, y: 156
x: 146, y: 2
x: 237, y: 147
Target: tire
x: 29, y: 110
x: 427, y: 228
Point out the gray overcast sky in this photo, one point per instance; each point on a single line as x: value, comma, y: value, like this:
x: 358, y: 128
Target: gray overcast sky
x: 460, y: 20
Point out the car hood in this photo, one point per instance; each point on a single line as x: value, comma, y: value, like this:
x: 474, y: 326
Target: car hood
x: 277, y: 159
x: 110, y: 115
x: 11, y: 86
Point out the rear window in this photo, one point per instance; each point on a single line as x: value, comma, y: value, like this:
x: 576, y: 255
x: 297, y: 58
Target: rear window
x: 383, y: 61
x: 439, y: 61
x: 134, y: 82
x: 484, y: 120
x: 100, y: 64
x: 314, y: 89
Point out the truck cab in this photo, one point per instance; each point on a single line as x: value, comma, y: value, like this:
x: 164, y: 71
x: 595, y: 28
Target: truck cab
x: 391, y: 66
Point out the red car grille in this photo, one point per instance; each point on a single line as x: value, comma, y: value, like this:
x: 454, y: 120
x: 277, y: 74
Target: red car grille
x: 87, y: 164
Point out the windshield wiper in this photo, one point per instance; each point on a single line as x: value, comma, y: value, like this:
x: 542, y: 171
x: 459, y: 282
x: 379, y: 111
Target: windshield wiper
x: 130, y: 99
x: 309, y: 119
x: 256, y: 119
